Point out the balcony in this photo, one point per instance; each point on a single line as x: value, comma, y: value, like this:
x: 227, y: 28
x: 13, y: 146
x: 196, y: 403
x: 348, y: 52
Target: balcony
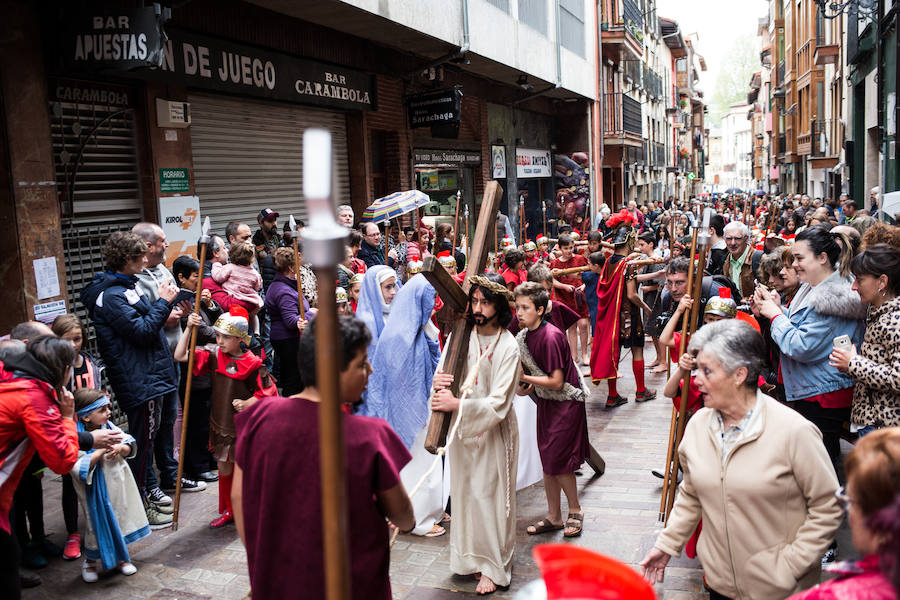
x: 827, y: 54
x: 625, y: 31
x: 825, y: 149
x: 621, y: 120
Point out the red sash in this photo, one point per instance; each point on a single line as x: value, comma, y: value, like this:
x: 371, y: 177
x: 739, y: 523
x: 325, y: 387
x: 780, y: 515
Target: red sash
x: 606, y: 347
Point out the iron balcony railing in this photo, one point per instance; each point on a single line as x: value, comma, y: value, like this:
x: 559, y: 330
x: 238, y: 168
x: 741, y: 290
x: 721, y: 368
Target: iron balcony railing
x: 622, y: 114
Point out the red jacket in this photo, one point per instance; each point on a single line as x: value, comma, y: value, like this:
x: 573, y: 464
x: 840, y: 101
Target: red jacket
x: 30, y: 421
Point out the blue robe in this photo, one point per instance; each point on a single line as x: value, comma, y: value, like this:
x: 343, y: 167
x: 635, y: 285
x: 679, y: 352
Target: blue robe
x: 404, y: 362
x: 369, y: 310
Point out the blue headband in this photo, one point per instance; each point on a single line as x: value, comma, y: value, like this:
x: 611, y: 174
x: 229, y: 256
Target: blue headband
x: 98, y: 403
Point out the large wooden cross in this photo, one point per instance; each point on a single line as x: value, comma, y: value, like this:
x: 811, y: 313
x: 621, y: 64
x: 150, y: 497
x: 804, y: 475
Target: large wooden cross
x: 457, y: 298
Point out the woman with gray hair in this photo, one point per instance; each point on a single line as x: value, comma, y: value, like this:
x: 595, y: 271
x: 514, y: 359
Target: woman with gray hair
x: 755, y: 472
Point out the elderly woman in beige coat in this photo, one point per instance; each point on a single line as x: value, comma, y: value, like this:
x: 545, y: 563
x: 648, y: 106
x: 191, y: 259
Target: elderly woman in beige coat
x: 756, y: 472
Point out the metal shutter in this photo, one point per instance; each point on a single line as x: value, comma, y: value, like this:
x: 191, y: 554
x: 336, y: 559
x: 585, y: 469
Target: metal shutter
x: 248, y: 155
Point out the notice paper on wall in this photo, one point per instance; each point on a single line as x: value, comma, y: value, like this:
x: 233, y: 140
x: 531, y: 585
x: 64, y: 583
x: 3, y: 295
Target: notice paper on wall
x: 46, y: 277
x: 45, y: 313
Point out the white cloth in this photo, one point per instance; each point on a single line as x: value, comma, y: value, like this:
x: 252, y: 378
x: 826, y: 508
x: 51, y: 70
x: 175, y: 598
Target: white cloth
x: 530, y: 470
x: 484, y: 458
x: 431, y: 498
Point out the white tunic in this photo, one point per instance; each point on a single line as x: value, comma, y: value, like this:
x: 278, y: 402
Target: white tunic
x: 484, y: 458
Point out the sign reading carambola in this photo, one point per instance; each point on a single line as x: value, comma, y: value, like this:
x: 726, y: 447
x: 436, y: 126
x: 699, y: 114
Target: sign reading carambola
x: 221, y: 65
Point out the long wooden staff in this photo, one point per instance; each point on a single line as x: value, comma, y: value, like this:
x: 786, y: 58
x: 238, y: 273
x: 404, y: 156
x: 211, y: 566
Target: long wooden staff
x: 295, y: 236
x: 668, y: 488
x: 643, y: 262
x: 456, y: 220
x: 324, y: 243
x: 185, y: 411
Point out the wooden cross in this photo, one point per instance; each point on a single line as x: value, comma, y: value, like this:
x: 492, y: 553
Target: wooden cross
x: 457, y: 298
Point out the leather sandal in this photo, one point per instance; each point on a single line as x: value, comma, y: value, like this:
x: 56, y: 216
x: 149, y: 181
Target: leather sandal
x: 574, y: 521
x: 543, y: 526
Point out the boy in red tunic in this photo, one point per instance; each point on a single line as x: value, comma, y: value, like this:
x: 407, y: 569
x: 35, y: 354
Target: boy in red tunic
x: 556, y: 386
x: 569, y: 290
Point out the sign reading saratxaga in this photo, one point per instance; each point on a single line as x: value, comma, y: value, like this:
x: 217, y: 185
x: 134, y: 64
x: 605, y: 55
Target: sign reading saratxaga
x: 439, y: 107
x: 118, y: 40
x: 221, y: 65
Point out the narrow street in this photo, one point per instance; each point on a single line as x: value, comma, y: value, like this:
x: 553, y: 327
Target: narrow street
x: 620, y: 520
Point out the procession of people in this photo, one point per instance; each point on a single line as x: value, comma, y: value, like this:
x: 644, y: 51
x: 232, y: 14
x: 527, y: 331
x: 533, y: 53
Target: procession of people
x: 777, y: 318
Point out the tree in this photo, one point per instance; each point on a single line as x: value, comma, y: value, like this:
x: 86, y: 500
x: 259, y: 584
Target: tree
x: 733, y: 80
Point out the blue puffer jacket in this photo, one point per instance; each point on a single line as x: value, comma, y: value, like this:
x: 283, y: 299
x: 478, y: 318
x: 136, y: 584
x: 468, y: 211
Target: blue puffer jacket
x: 131, y: 338
x: 805, y: 335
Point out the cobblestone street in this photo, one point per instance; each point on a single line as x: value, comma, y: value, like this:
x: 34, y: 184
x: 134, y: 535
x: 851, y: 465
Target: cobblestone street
x: 620, y: 507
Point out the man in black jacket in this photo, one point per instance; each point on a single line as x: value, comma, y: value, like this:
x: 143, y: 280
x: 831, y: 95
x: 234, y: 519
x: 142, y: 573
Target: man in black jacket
x: 370, y: 249
x: 133, y: 345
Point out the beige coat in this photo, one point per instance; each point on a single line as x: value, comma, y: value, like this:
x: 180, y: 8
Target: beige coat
x: 768, y: 515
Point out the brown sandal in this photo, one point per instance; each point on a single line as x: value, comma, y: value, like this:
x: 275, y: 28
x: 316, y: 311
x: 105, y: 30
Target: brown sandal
x: 543, y: 526
x: 574, y: 521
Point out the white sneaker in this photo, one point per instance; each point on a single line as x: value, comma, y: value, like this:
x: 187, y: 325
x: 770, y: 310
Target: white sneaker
x: 89, y: 576
x: 127, y: 568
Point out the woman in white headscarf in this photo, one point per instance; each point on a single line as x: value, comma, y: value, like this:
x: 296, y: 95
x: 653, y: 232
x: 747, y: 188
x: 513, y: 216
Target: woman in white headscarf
x: 379, y: 287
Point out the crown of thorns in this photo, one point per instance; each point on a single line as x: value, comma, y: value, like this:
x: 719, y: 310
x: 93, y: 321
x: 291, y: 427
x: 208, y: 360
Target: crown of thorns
x: 494, y: 287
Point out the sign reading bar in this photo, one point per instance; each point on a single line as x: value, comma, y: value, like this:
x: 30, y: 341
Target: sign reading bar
x: 464, y: 157
x: 440, y: 107
x: 533, y: 163
x: 221, y: 65
x: 174, y: 181
x: 118, y: 40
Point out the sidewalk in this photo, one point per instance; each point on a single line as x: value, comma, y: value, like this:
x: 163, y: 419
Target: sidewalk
x: 621, y: 510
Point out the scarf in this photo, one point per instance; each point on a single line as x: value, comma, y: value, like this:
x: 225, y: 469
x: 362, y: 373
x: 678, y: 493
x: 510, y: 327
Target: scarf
x: 568, y: 391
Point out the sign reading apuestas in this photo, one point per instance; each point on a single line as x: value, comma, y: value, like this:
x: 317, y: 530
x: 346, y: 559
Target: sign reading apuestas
x: 111, y: 40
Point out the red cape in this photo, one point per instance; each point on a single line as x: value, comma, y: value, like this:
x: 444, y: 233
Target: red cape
x: 606, y: 347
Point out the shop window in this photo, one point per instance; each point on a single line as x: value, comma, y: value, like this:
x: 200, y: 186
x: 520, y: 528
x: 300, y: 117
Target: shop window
x: 377, y: 150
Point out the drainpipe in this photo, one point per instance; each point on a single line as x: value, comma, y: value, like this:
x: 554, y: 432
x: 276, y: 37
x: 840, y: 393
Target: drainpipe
x: 596, y: 114
x: 465, y: 11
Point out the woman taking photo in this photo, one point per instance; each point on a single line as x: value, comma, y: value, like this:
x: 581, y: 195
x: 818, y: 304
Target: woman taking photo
x: 824, y: 308
x: 283, y: 308
x: 871, y: 500
x: 756, y: 473
x: 876, y: 368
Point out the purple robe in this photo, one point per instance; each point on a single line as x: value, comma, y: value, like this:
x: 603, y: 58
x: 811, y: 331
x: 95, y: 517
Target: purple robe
x: 561, y: 424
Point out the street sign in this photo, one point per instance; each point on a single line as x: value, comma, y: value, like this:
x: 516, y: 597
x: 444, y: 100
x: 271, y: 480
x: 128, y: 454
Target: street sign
x: 174, y: 181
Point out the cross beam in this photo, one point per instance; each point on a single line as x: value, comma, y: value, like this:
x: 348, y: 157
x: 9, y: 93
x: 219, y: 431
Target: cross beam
x: 457, y: 297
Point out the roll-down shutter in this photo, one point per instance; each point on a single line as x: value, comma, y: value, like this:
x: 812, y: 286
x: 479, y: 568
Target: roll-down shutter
x: 248, y: 155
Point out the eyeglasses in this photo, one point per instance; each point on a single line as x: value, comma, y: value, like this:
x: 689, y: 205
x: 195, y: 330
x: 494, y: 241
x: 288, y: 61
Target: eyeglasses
x: 735, y: 239
x: 843, y: 499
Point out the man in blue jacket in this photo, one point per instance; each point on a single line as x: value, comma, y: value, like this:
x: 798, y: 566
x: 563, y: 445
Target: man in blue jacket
x: 133, y: 345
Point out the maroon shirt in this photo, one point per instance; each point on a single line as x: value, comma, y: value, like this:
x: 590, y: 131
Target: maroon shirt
x: 561, y: 316
x: 278, y: 452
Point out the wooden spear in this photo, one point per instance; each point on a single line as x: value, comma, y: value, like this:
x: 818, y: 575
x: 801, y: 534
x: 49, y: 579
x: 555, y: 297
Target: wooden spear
x: 185, y: 411
x: 466, y: 215
x: 632, y: 263
x: 324, y: 241
x: 295, y: 235
x: 703, y: 243
x: 668, y: 488
x: 456, y: 220
x: 544, y: 215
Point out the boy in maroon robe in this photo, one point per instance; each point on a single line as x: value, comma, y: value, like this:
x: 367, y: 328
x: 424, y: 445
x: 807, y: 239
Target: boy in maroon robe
x: 556, y: 386
x: 277, y: 487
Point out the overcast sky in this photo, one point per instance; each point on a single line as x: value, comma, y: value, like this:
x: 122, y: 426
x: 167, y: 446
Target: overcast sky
x: 717, y: 23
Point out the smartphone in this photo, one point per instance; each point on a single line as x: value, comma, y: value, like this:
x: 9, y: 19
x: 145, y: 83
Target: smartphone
x: 843, y: 342
x: 759, y: 285
x: 184, y: 295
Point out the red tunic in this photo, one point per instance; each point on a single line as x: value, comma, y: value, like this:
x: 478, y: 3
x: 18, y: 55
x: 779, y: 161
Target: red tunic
x: 574, y: 300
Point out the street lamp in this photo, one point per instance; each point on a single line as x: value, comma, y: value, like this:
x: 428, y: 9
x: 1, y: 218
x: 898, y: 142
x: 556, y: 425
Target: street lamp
x: 865, y: 8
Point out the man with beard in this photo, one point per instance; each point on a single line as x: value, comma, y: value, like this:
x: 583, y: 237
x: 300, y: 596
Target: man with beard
x: 267, y: 240
x: 484, y: 452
